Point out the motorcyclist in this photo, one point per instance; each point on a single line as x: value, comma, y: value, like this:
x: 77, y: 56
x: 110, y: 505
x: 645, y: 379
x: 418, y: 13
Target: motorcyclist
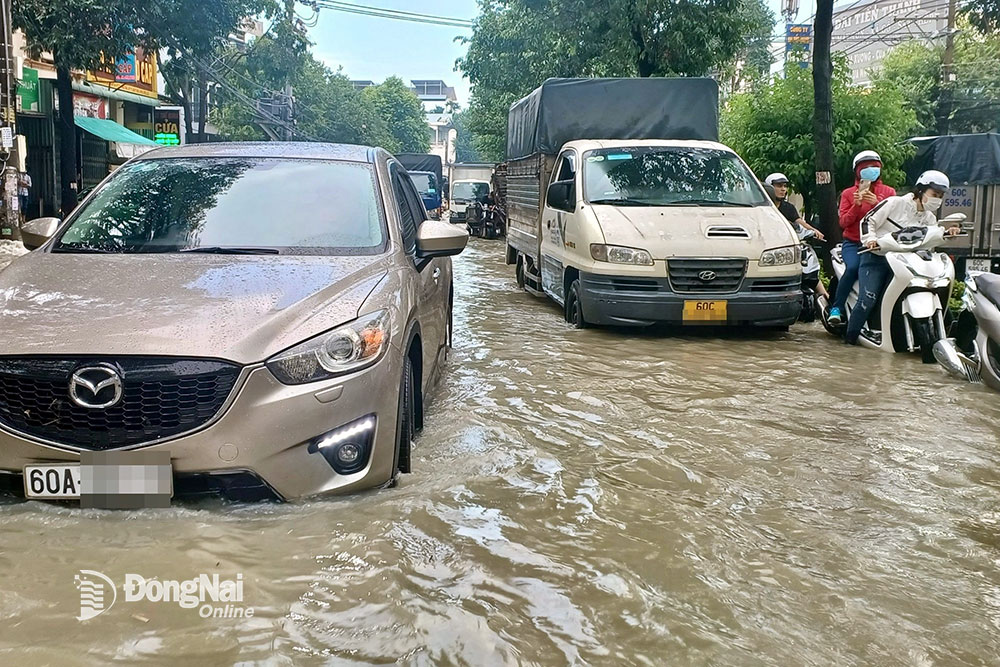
x: 779, y: 182
x: 855, y: 203
x: 915, y: 209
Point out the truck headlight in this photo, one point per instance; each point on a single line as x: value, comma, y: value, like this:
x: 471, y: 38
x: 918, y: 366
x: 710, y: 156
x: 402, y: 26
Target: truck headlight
x: 617, y: 254
x: 344, y: 350
x: 783, y: 256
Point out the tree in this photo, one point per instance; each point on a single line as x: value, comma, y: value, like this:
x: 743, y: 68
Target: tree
x: 87, y: 34
x: 465, y: 148
x: 914, y: 70
x: 772, y: 128
x: 517, y: 44
x: 402, y: 112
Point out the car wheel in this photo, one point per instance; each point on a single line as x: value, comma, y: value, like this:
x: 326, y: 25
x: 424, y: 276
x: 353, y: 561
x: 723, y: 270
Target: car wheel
x: 407, y: 418
x: 574, y: 310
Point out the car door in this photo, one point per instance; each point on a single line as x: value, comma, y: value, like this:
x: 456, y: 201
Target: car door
x: 430, y: 307
x: 554, y: 229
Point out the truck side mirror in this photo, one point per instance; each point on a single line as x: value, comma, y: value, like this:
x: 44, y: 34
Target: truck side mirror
x: 562, y: 196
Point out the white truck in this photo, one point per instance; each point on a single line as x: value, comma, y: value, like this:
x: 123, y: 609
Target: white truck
x: 624, y: 209
x: 469, y: 182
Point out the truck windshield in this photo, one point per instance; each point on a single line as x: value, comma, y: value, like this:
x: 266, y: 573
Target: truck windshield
x: 470, y: 191
x: 425, y: 182
x: 669, y: 176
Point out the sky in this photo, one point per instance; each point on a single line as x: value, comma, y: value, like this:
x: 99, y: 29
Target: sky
x: 376, y: 48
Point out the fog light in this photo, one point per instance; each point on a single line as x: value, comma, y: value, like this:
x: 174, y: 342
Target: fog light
x: 348, y: 448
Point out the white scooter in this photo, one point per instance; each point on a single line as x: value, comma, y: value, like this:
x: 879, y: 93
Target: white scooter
x: 974, y: 353
x: 810, y: 277
x: 910, y: 315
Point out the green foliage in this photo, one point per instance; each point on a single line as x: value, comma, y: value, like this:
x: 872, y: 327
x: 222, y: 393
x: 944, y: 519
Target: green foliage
x: 517, y: 44
x: 771, y: 128
x: 955, y: 302
x: 402, y: 112
x: 984, y: 15
x: 914, y: 70
x: 465, y: 148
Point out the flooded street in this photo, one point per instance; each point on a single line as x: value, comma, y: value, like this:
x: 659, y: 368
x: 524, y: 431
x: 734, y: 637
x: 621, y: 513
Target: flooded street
x: 582, y: 497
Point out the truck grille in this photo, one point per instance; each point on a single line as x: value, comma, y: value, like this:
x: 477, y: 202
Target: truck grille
x: 161, y: 397
x: 706, y: 276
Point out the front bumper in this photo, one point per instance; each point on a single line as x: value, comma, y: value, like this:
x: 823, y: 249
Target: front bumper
x: 260, y: 442
x: 621, y: 301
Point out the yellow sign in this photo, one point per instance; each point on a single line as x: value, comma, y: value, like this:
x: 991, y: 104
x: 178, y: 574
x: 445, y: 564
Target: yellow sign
x: 140, y: 66
x: 705, y: 311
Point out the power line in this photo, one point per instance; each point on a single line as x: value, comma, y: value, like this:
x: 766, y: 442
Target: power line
x: 395, y: 14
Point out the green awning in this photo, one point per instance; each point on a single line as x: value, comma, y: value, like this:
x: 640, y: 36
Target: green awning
x: 109, y: 130
x: 114, y: 93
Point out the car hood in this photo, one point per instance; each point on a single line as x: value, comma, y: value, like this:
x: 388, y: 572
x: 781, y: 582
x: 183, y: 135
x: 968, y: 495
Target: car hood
x: 240, y: 308
x: 695, y: 231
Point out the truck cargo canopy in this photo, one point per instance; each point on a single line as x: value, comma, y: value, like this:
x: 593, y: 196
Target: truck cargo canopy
x: 969, y: 159
x: 562, y: 110
x: 421, y: 162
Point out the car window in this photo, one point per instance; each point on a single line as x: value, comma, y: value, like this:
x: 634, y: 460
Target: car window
x: 567, y: 167
x: 471, y: 191
x: 407, y: 214
x: 425, y: 183
x: 174, y: 205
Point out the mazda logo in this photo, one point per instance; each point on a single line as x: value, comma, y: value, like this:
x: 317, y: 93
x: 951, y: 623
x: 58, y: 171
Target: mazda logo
x: 96, y: 387
x: 707, y: 276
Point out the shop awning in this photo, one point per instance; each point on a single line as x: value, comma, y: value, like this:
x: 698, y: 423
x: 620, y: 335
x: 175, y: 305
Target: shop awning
x: 114, y: 94
x: 109, y: 130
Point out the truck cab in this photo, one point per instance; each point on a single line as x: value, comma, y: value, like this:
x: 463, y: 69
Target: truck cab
x: 464, y: 194
x: 641, y: 231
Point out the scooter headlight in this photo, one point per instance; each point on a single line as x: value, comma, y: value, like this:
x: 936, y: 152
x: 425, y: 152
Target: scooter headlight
x: 781, y: 256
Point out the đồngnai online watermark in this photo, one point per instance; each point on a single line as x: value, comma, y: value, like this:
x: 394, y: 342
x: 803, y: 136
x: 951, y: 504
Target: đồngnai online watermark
x: 211, y: 595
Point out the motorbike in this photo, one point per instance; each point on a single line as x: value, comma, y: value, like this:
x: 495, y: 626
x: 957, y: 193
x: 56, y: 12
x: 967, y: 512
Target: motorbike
x: 973, y: 353
x: 486, y: 221
x: 910, y: 316
x: 810, y: 277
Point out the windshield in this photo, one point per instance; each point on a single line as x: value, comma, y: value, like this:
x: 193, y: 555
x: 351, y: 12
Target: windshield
x: 275, y: 205
x: 470, y: 191
x: 425, y: 183
x: 667, y: 176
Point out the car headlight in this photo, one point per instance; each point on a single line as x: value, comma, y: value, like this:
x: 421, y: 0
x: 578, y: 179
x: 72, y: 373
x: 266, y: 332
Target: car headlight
x: 617, y: 254
x: 781, y: 256
x: 344, y: 350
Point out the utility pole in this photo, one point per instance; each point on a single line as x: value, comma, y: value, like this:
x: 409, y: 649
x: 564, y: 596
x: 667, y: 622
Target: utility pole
x: 287, y: 112
x: 945, y: 103
x: 10, y: 227
x: 826, y: 189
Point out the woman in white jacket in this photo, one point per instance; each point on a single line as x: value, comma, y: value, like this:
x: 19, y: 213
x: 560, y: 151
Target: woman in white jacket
x: 916, y: 209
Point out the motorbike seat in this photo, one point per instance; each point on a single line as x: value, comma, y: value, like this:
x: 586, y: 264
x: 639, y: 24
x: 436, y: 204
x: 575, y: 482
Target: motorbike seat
x: 989, y: 285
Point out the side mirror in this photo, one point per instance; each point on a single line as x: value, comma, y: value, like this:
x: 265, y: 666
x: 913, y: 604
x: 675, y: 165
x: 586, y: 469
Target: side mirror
x: 562, y: 196
x: 439, y: 239
x: 35, y: 233
x: 955, y: 218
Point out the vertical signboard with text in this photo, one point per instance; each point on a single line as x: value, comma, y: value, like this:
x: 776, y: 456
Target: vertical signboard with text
x: 798, y: 40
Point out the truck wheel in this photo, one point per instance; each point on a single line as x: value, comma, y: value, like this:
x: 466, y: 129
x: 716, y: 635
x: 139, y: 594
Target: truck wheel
x: 574, y: 309
x: 925, y: 337
x: 519, y: 272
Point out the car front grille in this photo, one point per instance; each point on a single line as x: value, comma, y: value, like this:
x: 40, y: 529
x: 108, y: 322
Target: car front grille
x: 706, y: 276
x: 161, y: 398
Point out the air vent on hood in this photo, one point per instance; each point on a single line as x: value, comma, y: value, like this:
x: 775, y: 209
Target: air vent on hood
x: 727, y: 232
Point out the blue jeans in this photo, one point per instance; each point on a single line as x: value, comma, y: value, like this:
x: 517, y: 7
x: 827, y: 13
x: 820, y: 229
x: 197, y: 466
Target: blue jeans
x: 849, y: 251
x: 874, y: 274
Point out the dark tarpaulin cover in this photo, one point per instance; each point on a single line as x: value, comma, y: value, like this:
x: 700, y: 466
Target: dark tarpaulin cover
x: 562, y: 110
x: 972, y: 159
x: 422, y: 162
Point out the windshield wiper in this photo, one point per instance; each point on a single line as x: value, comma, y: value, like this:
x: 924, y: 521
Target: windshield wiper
x: 83, y: 250
x: 707, y: 202
x: 232, y: 250
x: 621, y: 202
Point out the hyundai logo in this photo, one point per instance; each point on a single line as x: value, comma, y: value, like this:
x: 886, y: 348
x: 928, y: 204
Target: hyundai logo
x: 96, y: 387
x: 707, y: 276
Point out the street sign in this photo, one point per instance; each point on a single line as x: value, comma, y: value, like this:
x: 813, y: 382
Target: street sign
x: 6, y: 138
x: 798, y: 42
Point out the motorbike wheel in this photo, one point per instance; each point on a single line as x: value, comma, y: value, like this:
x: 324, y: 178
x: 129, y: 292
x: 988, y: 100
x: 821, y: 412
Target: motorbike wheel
x: 924, y: 336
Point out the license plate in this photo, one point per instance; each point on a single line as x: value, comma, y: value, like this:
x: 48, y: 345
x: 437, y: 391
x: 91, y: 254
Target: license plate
x: 108, y: 480
x: 978, y: 264
x: 705, y: 311
x: 52, y: 481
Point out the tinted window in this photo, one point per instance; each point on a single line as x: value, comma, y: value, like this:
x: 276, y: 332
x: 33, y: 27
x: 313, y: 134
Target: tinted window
x: 407, y: 214
x: 295, y: 206
x: 661, y: 176
x: 425, y: 183
x: 567, y: 168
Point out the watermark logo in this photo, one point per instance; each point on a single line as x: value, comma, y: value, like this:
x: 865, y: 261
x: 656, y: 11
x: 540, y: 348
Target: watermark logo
x: 211, y: 595
x: 95, y: 589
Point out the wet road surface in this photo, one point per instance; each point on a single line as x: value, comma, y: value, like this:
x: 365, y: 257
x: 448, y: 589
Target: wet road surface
x: 582, y: 497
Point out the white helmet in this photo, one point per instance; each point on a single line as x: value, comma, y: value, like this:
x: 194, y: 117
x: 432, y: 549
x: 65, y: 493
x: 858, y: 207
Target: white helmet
x: 934, y: 179
x: 866, y: 156
x: 776, y: 177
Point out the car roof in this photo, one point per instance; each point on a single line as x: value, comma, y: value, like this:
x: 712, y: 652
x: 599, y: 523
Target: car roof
x: 302, y: 150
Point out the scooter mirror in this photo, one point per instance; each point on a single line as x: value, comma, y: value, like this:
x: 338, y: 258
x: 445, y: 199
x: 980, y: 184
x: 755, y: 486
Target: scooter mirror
x: 955, y: 218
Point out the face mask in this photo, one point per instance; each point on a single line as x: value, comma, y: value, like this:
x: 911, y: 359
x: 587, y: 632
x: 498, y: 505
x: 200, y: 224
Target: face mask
x: 870, y: 173
x: 932, y: 203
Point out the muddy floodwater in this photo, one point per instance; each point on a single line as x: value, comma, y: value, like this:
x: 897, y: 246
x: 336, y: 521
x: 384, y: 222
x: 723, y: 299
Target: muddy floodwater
x: 581, y: 497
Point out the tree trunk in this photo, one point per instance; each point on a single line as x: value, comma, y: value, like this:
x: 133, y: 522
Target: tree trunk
x: 826, y: 189
x: 644, y: 65
x: 67, y: 138
x: 186, y: 104
x: 202, y: 108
